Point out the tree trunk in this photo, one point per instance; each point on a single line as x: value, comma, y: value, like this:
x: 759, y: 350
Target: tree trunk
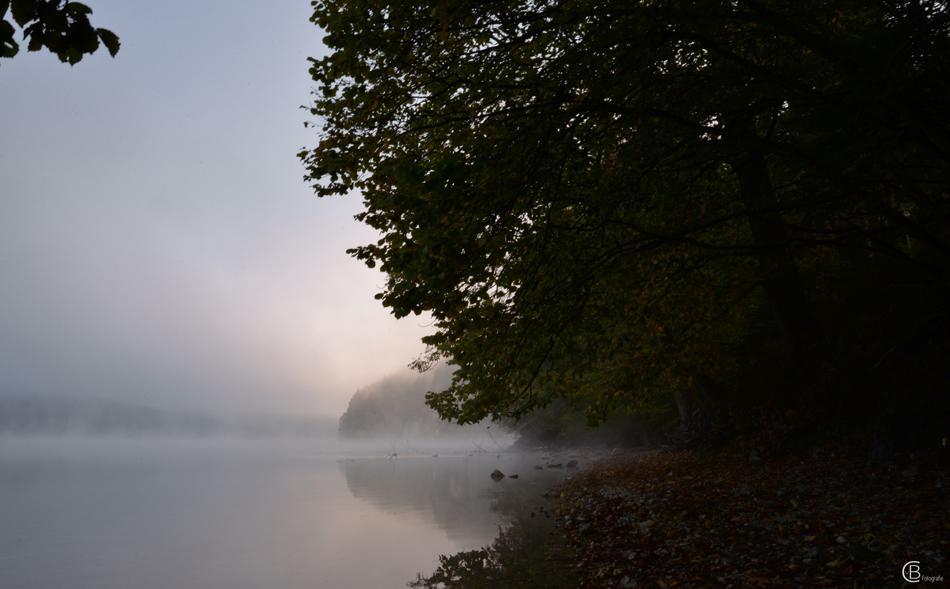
x: 683, y: 408
x: 781, y: 279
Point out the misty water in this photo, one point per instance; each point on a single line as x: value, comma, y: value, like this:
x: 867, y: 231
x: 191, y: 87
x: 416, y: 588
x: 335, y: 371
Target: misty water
x: 90, y: 513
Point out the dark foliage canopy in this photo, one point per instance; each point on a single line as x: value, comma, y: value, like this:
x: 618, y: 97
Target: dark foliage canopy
x: 620, y: 202
x: 60, y: 26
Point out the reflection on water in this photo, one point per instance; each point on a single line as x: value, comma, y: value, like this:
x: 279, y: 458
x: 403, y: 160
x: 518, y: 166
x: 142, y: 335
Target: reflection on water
x: 90, y: 514
x: 456, y: 492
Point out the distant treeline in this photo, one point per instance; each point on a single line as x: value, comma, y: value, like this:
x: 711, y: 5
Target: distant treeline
x: 395, y: 407
x: 56, y: 416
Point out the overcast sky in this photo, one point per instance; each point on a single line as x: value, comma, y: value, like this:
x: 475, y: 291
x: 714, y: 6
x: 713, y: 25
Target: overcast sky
x: 157, y: 240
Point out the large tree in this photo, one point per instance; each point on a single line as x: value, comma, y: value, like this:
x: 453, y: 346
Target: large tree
x: 614, y: 200
x: 61, y: 27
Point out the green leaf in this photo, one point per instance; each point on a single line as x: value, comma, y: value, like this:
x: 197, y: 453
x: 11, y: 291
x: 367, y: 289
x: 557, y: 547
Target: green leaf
x: 23, y: 11
x: 8, y: 47
x: 78, y: 8
x: 72, y: 56
x: 110, y: 40
x: 86, y: 40
x: 36, y: 39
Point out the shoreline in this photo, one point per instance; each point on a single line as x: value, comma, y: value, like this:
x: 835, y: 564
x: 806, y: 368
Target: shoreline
x: 685, y: 519
x: 667, y: 519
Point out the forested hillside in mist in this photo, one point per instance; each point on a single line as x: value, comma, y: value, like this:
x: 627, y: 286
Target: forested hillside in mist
x: 395, y: 406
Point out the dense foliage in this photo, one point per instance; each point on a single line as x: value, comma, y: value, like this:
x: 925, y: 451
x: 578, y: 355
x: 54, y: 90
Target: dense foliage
x: 60, y: 26
x: 625, y: 203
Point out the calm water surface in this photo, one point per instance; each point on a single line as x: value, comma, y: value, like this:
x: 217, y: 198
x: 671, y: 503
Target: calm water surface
x: 107, y: 514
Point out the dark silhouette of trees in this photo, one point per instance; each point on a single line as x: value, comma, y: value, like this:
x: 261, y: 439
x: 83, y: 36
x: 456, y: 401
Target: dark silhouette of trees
x: 59, y: 26
x: 631, y: 203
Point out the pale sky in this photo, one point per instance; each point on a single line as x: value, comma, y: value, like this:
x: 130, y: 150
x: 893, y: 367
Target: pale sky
x: 157, y: 241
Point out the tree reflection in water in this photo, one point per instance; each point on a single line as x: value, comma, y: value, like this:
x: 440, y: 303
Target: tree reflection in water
x: 460, y: 497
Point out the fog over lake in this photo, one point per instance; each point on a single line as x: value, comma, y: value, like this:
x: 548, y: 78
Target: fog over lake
x: 107, y: 513
x: 181, y: 328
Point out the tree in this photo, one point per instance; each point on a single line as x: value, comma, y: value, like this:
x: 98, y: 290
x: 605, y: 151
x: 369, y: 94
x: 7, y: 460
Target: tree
x: 60, y: 26
x: 625, y: 202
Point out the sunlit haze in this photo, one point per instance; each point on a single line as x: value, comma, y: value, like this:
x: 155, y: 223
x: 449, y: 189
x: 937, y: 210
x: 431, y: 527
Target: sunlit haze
x: 157, y: 241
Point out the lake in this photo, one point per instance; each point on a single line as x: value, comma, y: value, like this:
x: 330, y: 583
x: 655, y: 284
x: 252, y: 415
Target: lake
x: 115, y: 514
